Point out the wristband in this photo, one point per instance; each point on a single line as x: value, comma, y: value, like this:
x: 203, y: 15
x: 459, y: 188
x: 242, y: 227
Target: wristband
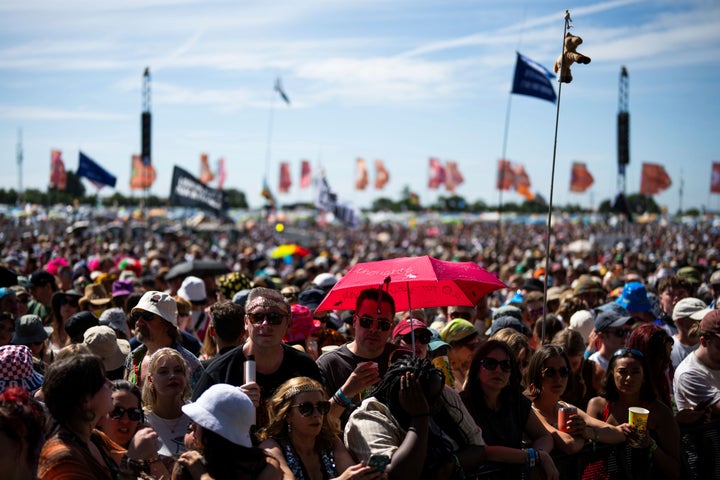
x: 342, y: 399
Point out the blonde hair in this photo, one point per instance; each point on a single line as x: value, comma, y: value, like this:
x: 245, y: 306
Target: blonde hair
x: 72, y: 350
x: 279, y: 405
x: 149, y: 395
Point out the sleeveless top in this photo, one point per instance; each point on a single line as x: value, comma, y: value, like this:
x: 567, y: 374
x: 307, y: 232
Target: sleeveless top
x: 327, y: 461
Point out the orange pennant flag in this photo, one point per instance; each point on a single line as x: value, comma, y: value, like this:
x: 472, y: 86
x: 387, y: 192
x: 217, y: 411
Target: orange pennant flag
x: 361, y: 174
x: 381, y: 175
x: 522, y: 182
x: 654, y: 179
x: 506, y: 177
x: 580, y: 178
x: 206, y: 175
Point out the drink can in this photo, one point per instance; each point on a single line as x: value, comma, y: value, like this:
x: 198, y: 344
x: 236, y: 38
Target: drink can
x: 564, y: 414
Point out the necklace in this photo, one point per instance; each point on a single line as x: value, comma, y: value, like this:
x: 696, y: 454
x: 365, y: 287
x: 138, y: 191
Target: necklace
x: 170, y: 424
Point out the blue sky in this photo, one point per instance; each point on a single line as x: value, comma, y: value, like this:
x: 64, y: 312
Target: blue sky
x: 397, y: 80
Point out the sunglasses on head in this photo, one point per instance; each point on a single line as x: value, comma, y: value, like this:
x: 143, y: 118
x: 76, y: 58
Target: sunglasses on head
x: 628, y: 351
x: 307, y: 408
x: 382, y: 324
x: 550, y: 372
x: 491, y: 364
x: 272, y: 318
x: 146, y: 316
x: 72, y: 301
x: 420, y: 337
x: 134, y: 414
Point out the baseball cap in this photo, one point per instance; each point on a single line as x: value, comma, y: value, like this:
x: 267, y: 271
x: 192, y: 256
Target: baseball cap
x: 403, y: 327
x: 508, y: 321
x: 40, y: 278
x: 691, y: 274
x: 711, y: 322
x: 610, y: 319
x: 159, y: 303
x: 435, y: 341
x: 225, y: 410
x: 510, y: 310
x: 583, y: 322
x: 715, y: 278
x: 687, y: 306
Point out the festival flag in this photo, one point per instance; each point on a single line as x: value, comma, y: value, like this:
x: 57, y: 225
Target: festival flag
x: 453, y: 177
x: 188, y: 191
x: 437, y: 174
x: 361, y: 174
x: 97, y: 175
x: 413, y: 199
x: 382, y: 176
x: 267, y: 194
x: 285, y: 182
x: 58, y: 175
x: 206, y: 175
x: 522, y: 182
x: 580, y: 177
x: 506, y: 177
x: 329, y: 201
x: 143, y: 174
x: 533, y: 79
x: 305, y: 174
x: 222, y: 173
x: 279, y: 89
x: 654, y: 179
x: 715, y: 178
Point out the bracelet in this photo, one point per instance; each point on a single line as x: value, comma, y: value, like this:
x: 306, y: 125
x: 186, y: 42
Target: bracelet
x: 340, y: 398
x: 531, y: 457
x: 133, y: 465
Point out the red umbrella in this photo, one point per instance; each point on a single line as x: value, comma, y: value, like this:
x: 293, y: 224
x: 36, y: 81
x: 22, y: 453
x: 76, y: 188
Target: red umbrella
x: 414, y: 282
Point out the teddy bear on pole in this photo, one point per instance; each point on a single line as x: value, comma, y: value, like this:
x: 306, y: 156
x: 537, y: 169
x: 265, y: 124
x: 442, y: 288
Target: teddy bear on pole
x: 569, y: 56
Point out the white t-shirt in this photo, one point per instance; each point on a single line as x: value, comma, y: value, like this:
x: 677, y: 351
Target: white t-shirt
x: 171, y: 433
x: 680, y: 351
x: 694, y: 382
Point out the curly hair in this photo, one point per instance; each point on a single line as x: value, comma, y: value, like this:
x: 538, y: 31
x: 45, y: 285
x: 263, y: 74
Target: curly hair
x: 23, y: 419
x: 149, y: 395
x: 534, y: 372
x: 279, y: 404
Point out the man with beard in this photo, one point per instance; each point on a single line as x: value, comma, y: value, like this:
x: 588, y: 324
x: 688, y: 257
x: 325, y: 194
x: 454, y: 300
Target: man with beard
x: 155, y: 318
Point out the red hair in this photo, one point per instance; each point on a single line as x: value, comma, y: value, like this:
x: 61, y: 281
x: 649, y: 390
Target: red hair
x: 653, y: 342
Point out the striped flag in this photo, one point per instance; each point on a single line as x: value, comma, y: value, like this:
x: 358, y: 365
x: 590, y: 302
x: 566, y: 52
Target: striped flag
x: 58, y: 175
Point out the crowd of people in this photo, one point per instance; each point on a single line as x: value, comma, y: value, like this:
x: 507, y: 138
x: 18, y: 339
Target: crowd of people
x: 114, y: 365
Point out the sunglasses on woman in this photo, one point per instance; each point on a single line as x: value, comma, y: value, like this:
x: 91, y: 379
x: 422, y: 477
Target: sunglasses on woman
x: 628, y: 351
x: 307, y: 408
x: 73, y: 302
x: 133, y: 414
x: 420, y: 337
x: 272, y: 318
x: 550, y: 372
x: 382, y: 324
x: 490, y: 364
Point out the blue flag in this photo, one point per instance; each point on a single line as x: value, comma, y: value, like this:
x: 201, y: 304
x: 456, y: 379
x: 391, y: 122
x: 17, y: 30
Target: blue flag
x: 94, y: 172
x: 533, y: 79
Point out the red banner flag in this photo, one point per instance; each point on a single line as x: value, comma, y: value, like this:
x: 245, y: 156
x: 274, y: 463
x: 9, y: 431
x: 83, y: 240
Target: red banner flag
x: 437, y: 174
x: 58, y: 175
x: 206, y: 175
x: 143, y: 175
x: 715, y: 178
x: 305, y: 174
x: 580, y: 178
x: 453, y: 177
x: 654, y: 179
x: 382, y: 176
x: 506, y: 177
x: 222, y: 173
x: 361, y: 175
x: 285, y: 181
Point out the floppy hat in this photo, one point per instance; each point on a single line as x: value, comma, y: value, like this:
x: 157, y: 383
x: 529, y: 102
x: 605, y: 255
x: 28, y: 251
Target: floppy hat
x: 29, y: 329
x: 76, y: 325
x: 403, y: 327
x: 103, y: 342
x: 95, y: 294
x: 159, y: 303
x: 311, y: 298
x: 231, y: 283
x: 610, y: 319
x: 16, y: 368
x: 58, y: 296
x: 225, y: 410
x: 588, y: 284
x: 457, y: 330
x: 302, y: 324
x: 193, y: 290
x: 114, y: 318
x: 691, y: 274
x: 634, y: 298
x: 687, y: 306
x: 122, y: 287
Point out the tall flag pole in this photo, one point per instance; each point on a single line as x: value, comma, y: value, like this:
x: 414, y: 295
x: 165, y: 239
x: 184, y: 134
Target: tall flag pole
x: 562, y: 66
x: 19, y: 155
x: 277, y: 88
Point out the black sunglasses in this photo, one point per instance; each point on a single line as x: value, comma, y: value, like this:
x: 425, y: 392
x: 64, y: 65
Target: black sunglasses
x: 382, y: 324
x: 550, y: 372
x: 307, y: 408
x: 272, y: 318
x: 72, y: 301
x: 420, y: 337
x: 147, y: 316
x: 134, y: 414
x: 625, y: 351
x: 490, y: 364
x: 620, y: 333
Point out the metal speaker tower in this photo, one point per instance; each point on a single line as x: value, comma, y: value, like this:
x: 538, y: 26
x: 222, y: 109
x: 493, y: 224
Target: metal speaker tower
x: 146, y: 121
x: 623, y: 125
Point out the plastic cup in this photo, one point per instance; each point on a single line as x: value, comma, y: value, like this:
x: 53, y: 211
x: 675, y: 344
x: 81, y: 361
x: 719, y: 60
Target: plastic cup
x: 443, y: 364
x: 564, y: 414
x: 638, y: 417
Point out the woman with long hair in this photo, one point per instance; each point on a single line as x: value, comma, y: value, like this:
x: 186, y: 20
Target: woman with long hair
x: 655, y: 343
x: 586, y: 375
x: 78, y: 395
x: 304, y: 438
x: 64, y: 305
x: 493, y: 397
x: 164, y: 393
x: 547, y: 378
x: 627, y: 385
x: 221, y: 421
x: 22, y: 434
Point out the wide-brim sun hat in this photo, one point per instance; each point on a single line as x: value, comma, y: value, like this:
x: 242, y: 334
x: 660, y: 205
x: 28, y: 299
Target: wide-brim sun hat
x: 225, y: 410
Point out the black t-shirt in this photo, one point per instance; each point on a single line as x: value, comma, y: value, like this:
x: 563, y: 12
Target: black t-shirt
x: 505, y: 427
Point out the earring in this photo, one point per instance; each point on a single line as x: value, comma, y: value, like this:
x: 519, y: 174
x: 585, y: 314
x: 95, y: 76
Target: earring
x: 289, y: 427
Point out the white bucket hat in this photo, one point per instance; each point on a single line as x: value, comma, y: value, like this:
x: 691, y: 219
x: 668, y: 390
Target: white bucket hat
x: 159, y: 303
x: 225, y: 410
x: 193, y: 290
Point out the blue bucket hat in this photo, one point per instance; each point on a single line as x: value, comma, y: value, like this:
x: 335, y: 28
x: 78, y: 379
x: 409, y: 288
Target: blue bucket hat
x: 634, y: 298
